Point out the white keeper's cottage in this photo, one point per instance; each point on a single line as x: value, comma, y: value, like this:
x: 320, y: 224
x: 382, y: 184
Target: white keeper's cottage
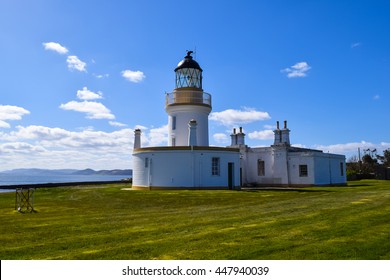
x: 188, y: 162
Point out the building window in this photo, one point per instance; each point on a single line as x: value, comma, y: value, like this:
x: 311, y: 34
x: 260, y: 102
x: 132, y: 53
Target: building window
x: 173, y: 141
x: 303, y: 170
x: 341, y: 169
x: 260, y: 167
x: 215, y: 166
x: 146, y: 162
x: 173, y: 122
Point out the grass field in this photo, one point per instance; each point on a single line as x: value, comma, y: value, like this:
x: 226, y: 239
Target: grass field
x: 107, y: 222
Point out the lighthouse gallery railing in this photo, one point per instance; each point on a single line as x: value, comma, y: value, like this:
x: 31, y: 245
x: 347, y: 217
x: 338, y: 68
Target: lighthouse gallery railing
x: 187, y: 97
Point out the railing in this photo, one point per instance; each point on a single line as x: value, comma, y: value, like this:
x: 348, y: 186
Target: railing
x: 188, y: 97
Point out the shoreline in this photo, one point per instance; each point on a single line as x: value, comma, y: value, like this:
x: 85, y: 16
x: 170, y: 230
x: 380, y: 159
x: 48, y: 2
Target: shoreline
x: 64, y: 184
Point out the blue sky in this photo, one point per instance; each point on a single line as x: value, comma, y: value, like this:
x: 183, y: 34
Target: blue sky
x: 77, y: 77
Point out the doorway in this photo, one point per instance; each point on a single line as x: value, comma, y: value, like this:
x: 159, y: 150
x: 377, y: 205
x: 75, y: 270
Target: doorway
x: 231, y: 175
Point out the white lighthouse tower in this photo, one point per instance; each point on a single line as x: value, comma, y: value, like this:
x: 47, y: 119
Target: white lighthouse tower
x: 188, y: 102
x: 188, y: 162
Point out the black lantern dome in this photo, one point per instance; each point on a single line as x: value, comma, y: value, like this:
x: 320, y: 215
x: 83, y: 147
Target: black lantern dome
x: 188, y: 73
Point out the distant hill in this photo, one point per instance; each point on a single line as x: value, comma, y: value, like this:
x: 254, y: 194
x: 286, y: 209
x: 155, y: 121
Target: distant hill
x: 46, y: 172
x: 104, y: 172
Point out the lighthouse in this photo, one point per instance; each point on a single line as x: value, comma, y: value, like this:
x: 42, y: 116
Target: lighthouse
x: 188, y: 102
x: 188, y: 162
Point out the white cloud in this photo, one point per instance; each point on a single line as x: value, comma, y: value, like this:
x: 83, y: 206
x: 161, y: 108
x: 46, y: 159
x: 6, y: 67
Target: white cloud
x: 47, y: 147
x: 298, y: 70
x: 9, y: 112
x: 37, y: 132
x: 60, y: 138
x: 74, y: 63
x: 21, y: 148
x: 261, y: 135
x: 52, y: 46
x: 86, y: 94
x: 352, y: 147
x: 221, y: 138
x: 3, y: 124
x: 94, y: 110
x: 355, y: 45
x: 133, y: 76
x: 231, y: 117
x: 138, y: 126
x: 157, y: 136
x: 101, y: 76
x: 117, y: 124
x: 268, y: 126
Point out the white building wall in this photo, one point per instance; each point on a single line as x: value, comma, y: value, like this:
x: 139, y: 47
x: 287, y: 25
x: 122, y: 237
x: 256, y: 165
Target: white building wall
x: 183, y: 114
x: 282, y: 167
x: 301, y: 158
x: 140, y: 172
x: 250, y: 171
x: 184, y: 168
x: 280, y: 174
x: 276, y: 166
x: 328, y: 169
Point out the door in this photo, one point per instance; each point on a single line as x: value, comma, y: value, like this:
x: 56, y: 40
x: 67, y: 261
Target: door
x: 231, y: 175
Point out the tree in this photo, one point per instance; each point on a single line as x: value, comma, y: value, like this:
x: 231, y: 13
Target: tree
x: 369, y: 163
x: 386, y: 160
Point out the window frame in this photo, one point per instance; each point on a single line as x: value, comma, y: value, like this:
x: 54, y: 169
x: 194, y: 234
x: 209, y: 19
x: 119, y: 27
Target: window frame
x: 260, y: 167
x: 215, y: 166
x: 303, y: 170
x: 173, y: 122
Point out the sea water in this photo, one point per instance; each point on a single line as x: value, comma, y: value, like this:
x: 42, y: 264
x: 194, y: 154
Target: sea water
x: 12, y: 179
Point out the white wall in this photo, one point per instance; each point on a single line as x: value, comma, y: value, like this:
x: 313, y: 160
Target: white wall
x: 282, y: 167
x: 301, y: 158
x: 183, y: 168
x: 329, y: 170
x: 183, y: 114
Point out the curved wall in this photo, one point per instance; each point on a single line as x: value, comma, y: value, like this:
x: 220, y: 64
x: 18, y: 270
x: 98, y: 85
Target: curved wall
x: 185, y: 167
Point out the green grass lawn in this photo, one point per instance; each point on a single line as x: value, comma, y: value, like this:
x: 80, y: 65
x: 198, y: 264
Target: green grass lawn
x: 107, y: 222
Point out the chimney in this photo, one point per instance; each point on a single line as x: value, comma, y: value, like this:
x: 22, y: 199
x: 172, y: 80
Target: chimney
x: 285, y: 135
x: 192, y: 133
x: 278, y: 135
x: 233, y: 138
x: 137, y: 138
x: 240, y: 137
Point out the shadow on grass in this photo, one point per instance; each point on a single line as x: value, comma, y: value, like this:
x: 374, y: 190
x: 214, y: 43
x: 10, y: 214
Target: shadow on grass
x: 359, y: 185
x: 283, y: 190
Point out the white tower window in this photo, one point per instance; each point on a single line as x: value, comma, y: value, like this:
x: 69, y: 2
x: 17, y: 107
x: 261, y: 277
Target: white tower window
x: 173, y: 122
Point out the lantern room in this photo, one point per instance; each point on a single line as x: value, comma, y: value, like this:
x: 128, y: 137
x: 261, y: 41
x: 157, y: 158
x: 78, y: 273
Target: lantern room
x: 188, y: 73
